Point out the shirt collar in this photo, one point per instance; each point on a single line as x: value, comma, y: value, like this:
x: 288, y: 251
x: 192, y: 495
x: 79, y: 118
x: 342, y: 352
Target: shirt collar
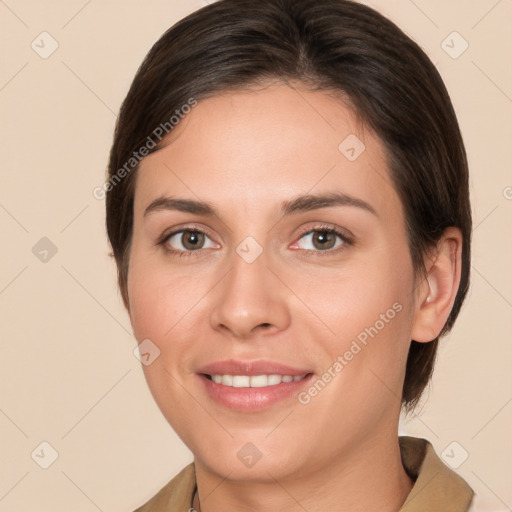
x: 436, y: 488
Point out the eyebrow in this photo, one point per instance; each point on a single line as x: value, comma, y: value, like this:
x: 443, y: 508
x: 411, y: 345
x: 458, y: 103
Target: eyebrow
x: 181, y: 205
x: 310, y: 202
x: 300, y: 204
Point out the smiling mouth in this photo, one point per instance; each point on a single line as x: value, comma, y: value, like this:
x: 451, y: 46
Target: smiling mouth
x: 254, y: 381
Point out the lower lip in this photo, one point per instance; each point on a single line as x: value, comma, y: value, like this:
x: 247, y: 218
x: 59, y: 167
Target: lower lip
x: 253, y: 399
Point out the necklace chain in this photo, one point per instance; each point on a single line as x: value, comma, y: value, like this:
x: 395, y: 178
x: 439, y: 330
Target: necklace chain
x: 196, y: 498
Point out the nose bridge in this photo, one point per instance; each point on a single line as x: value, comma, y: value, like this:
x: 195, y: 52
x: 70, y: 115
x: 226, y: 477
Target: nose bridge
x: 250, y: 297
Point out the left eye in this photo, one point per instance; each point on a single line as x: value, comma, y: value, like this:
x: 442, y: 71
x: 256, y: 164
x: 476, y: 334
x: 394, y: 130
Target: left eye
x: 321, y: 239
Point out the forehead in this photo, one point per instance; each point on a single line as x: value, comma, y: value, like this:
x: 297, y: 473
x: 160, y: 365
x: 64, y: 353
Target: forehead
x: 262, y: 146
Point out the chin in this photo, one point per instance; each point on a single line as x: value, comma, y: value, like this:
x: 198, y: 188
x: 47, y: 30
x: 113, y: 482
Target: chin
x: 237, y: 465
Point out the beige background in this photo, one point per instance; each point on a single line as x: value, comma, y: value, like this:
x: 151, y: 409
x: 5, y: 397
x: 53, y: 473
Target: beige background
x: 68, y: 373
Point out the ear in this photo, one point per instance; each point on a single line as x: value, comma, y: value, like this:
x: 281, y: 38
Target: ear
x: 436, y: 292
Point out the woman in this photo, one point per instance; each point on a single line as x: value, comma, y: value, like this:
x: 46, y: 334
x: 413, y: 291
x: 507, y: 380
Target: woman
x: 288, y: 208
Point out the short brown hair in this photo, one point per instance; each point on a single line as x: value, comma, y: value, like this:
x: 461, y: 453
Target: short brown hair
x: 330, y: 45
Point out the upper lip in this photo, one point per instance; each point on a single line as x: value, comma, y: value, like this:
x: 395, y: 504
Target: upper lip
x: 260, y: 367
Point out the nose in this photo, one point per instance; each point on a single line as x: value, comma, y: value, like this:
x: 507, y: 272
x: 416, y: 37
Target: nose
x: 250, y: 300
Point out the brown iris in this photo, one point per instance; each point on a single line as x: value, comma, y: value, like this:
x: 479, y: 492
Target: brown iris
x: 324, y: 239
x: 192, y: 240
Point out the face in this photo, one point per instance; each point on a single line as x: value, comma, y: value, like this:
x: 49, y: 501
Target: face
x: 270, y: 267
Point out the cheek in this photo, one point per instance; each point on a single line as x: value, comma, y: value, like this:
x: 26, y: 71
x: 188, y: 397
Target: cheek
x: 148, y: 308
x: 159, y: 298
x: 352, y: 299
x: 369, y: 310
x: 162, y: 309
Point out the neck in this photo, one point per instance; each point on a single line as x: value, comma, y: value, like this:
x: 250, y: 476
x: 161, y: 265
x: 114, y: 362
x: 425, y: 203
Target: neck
x: 369, y: 478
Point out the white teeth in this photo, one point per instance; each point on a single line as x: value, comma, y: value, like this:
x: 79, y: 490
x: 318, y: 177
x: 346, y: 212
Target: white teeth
x: 241, y: 381
x: 227, y: 380
x: 259, y: 381
x: 254, y: 381
x: 274, y: 379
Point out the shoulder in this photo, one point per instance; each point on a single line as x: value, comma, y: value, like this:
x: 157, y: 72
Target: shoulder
x: 436, y: 487
x: 176, y: 495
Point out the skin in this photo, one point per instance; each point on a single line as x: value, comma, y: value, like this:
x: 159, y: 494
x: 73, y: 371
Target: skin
x: 246, y: 153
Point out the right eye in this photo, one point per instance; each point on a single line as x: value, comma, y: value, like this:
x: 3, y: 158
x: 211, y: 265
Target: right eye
x: 188, y: 240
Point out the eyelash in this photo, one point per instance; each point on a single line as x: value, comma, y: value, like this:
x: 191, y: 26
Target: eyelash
x: 347, y: 241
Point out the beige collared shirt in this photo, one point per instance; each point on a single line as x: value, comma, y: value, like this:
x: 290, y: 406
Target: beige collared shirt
x: 436, y: 489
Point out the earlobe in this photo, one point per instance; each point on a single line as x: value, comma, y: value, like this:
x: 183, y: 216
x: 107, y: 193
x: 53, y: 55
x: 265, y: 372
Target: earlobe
x: 436, y: 293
